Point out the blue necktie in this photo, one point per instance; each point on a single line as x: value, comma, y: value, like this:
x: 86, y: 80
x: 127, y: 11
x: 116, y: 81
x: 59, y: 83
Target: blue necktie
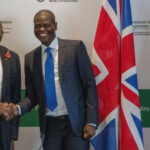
x: 49, y: 81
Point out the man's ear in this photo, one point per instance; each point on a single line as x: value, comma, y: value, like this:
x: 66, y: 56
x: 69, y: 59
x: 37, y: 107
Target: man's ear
x: 56, y: 25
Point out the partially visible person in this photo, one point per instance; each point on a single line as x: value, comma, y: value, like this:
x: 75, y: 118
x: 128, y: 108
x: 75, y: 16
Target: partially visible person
x: 10, y: 85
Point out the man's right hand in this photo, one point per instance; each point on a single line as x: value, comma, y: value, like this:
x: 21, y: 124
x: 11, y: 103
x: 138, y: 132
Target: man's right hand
x: 3, y: 110
x: 8, y: 111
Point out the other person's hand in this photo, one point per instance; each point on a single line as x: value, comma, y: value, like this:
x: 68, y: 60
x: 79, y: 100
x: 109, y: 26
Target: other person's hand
x: 4, y: 110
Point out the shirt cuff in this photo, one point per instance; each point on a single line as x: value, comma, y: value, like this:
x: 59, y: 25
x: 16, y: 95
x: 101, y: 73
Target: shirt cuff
x: 92, y: 124
x: 19, y: 109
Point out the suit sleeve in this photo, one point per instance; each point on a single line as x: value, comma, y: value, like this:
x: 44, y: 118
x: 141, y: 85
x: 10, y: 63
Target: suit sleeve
x: 89, y: 85
x: 30, y: 99
x: 16, y: 91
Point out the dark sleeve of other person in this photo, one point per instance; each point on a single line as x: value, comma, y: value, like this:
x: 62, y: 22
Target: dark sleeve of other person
x: 15, y: 90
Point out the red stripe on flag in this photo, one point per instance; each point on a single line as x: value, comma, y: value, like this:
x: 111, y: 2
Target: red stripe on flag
x: 128, y: 55
x: 134, y: 98
x: 127, y: 142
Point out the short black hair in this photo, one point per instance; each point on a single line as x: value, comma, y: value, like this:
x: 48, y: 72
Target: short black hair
x: 44, y: 11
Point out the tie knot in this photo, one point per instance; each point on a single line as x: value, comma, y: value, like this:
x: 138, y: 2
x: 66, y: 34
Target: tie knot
x: 48, y: 49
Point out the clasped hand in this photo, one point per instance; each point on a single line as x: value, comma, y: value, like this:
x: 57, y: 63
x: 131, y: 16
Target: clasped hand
x: 8, y: 111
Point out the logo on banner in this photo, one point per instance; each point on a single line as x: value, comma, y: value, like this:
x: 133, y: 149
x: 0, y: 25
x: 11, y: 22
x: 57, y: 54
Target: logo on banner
x: 40, y: 0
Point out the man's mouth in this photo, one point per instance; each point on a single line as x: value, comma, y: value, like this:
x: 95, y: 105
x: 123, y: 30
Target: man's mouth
x: 43, y: 35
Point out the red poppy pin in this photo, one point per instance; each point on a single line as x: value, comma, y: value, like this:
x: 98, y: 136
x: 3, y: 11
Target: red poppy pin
x: 8, y: 55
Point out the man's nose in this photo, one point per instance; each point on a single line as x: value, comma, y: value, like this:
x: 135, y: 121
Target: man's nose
x: 42, y: 28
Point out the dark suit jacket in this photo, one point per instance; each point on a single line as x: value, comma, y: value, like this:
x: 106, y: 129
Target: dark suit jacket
x: 76, y: 80
x: 10, y: 91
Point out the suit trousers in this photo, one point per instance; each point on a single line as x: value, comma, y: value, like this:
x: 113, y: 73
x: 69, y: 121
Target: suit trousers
x: 60, y: 136
x: 5, y: 139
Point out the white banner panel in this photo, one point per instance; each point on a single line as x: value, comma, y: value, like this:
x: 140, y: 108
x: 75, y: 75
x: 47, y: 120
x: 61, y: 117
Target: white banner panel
x: 141, y: 21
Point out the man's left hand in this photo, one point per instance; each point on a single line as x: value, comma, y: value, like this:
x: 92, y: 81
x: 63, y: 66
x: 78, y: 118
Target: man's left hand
x: 88, y: 131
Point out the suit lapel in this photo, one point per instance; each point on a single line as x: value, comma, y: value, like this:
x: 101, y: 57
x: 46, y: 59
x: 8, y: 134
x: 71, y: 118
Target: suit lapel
x: 38, y: 77
x: 61, y: 58
x: 37, y: 65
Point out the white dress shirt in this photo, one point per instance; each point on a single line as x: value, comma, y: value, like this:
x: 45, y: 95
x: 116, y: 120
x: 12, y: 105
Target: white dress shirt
x: 61, y: 106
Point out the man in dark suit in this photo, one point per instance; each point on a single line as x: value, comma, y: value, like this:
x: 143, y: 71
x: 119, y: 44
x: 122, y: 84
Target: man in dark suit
x: 9, y: 92
x: 59, y: 77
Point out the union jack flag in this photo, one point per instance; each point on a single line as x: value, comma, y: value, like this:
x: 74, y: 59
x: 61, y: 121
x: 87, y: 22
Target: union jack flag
x: 114, y: 66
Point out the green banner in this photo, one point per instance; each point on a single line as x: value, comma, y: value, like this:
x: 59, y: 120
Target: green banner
x: 145, y: 107
x: 31, y: 118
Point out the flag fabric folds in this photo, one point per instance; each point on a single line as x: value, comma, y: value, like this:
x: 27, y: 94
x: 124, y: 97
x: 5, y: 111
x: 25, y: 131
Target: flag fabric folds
x: 131, y: 128
x: 113, y: 61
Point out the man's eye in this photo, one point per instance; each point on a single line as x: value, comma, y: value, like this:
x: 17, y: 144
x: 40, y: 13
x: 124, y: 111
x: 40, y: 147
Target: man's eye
x: 38, y: 26
x: 46, y: 25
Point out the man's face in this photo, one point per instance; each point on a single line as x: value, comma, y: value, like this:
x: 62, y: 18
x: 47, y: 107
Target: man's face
x: 44, y: 28
x: 1, y: 31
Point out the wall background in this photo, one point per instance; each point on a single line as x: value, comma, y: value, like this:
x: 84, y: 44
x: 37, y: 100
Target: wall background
x: 77, y: 19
